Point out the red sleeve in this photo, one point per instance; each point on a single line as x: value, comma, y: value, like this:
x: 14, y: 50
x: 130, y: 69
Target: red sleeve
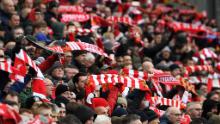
x: 112, y: 98
x: 47, y: 63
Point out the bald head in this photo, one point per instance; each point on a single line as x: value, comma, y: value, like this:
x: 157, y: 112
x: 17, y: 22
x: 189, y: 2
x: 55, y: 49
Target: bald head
x: 8, y: 6
x: 148, y: 66
x: 174, y: 115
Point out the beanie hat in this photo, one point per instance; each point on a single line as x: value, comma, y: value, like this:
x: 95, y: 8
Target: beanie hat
x: 61, y: 89
x: 99, y: 102
x: 57, y: 64
x: 61, y: 100
x: 119, y: 112
x: 39, y: 88
x: 84, y: 113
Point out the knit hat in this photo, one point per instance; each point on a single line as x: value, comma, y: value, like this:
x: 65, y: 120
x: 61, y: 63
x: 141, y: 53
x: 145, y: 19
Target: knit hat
x: 99, y: 102
x: 39, y: 88
x: 61, y: 89
x: 57, y: 64
x: 119, y: 112
x: 61, y: 100
x: 166, y: 49
x: 84, y: 113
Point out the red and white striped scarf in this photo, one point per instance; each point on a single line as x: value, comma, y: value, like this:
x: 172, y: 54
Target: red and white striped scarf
x: 168, y: 102
x: 114, y: 79
x: 56, y: 49
x: 22, y: 55
x: 75, y: 17
x: 197, y: 68
x: 125, y: 20
x: 70, y: 9
x: 81, y: 31
x: 179, y: 26
x: 86, y: 46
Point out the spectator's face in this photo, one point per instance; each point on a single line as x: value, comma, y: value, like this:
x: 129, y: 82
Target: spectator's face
x: 12, y: 98
x: 15, y: 20
x: 148, y: 67
x: 62, y: 112
x: 68, y: 58
x: 195, y: 111
x: 215, y: 97
x: 166, y: 54
x: 70, y: 72
x: 72, y: 97
x: 9, y: 6
x: 82, y: 81
x: 127, y: 60
x: 18, y: 32
x: 101, y: 110
x: 80, y: 58
x: 43, y: 30
x: 39, y: 16
x: 58, y: 73
x: 158, y: 38
x: 175, y: 116
x: 43, y: 8
x: 176, y: 72
x: 49, y: 86
x: 45, y: 112
x: 90, y: 121
x: 119, y: 61
x: 136, y: 122
x: 203, y: 90
x: 28, y: 4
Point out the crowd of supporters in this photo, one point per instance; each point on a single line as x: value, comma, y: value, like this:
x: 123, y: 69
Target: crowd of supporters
x: 108, y: 62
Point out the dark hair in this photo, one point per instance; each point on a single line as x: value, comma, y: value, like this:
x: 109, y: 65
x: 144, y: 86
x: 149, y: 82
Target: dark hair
x: 71, y: 66
x: 12, y: 93
x: 210, y: 94
x: 45, y: 105
x: 69, y: 119
x: 199, y: 121
x: 76, y: 77
x: 129, y: 118
x: 84, y: 113
x: 40, y: 24
x: 71, y: 107
x: 11, y: 103
x: 13, y: 14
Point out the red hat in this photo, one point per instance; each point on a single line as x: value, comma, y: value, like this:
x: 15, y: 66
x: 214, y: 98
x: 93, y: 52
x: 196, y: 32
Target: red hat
x: 39, y: 88
x: 99, y: 102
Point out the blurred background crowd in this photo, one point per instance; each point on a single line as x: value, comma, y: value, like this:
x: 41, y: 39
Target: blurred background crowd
x: 108, y: 62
